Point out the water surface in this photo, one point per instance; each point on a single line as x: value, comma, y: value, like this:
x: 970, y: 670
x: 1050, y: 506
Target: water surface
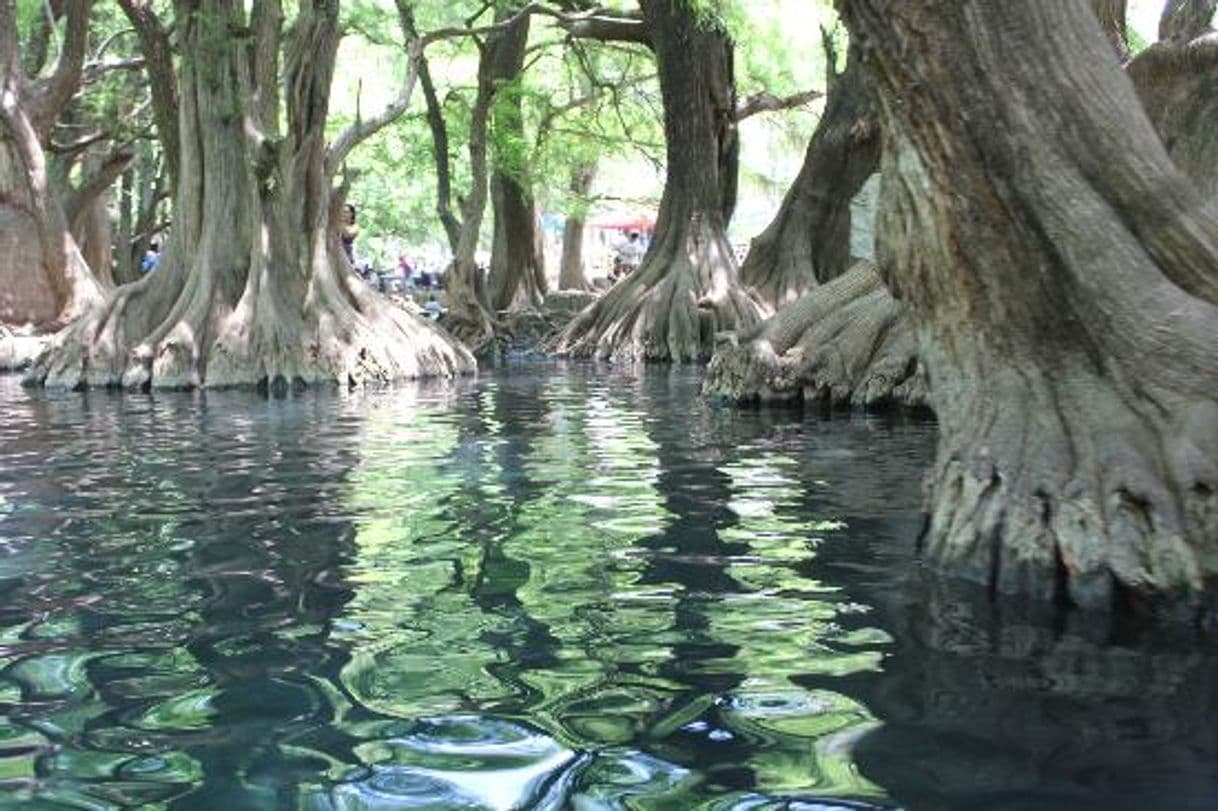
x: 552, y: 588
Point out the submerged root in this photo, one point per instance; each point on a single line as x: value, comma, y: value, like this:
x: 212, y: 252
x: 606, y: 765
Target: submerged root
x: 847, y: 343
x: 1091, y: 493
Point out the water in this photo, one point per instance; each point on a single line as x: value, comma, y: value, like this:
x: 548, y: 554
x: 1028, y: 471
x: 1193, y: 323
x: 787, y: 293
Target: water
x: 550, y: 589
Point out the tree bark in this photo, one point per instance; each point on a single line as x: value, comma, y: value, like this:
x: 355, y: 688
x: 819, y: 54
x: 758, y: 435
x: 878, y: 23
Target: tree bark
x: 44, y: 280
x: 252, y: 288
x: 1177, y: 81
x: 1185, y: 20
x: 158, y: 60
x: 572, y: 275
x: 471, y: 316
x: 517, y: 271
x: 687, y: 288
x: 808, y: 243
x: 1060, y: 273
x: 844, y: 343
x: 1112, y: 17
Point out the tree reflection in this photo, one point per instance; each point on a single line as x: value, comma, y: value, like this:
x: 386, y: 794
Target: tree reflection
x: 988, y: 704
x: 186, y: 593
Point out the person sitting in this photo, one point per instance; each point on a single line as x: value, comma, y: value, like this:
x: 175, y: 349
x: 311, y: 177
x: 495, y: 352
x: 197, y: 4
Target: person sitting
x: 629, y: 256
x: 433, y: 309
x: 350, y: 230
x: 151, y: 258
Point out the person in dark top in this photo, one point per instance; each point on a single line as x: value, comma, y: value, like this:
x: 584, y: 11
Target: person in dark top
x: 349, y: 233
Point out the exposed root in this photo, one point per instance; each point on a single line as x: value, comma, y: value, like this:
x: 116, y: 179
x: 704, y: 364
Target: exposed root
x: 345, y: 334
x: 670, y: 309
x: 847, y: 343
x: 358, y: 340
x: 1100, y: 494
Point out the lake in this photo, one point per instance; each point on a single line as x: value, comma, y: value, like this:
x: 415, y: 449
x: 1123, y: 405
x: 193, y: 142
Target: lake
x: 554, y: 587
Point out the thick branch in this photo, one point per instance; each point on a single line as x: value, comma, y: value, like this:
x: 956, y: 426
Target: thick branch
x: 158, y: 58
x: 97, y: 182
x: 598, y: 24
x: 95, y: 70
x: 75, y: 147
x: 362, y: 129
x: 50, y: 96
x: 765, y: 102
x: 440, y: 149
x: 38, y: 47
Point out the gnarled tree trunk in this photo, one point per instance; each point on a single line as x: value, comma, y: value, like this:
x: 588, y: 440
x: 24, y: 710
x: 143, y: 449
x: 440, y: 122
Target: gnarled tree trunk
x: 517, y: 272
x: 252, y: 288
x: 808, y: 243
x: 1177, y: 81
x: 1061, y: 275
x: 687, y: 288
x: 44, y: 280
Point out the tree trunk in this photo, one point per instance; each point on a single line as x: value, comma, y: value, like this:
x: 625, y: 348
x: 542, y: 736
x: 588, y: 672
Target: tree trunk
x: 1112, y: 17
x: 1185, y: 20
x: 687, y: 288
x: 471, y: 316
x: 572, y: 275
x: 252, y: 288
x: 1060, y: 272
x: 808, y: 243
x: 1177, y: 81
x: 124, y: 264
x: 517, y: 272
x: 92, y: 233
x: 44, y: 280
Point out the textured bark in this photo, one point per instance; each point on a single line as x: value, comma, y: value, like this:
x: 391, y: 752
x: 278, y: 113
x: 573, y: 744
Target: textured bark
x: 572, y: 275
x: 1185, y: 20
x: 1177, y: 81
x: 92, y: 232
x: 808, y: 243
x: 1060, y: 272
x: 845, y: 343
x: 252, y: 288
x: 157, y: 51
x: 87, y: 211
x: 44, y: 280
x: 687, y: 288
x: 1112, y: 17
x: 517, y: 271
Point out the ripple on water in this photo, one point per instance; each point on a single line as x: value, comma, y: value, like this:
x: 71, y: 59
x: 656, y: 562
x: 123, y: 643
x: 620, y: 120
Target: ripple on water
x: 544, y: 589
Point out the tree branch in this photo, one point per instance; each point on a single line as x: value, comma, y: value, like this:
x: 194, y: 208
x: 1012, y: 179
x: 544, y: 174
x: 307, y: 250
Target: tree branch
x: 158, y: 59
x: 97, y: 181
x: 95, y: 70
x: 765, y: 102
x: 361, y: 130
x: 48, y: 97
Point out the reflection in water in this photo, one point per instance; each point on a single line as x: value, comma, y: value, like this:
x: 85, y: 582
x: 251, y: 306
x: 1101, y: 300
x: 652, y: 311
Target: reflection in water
x: 550, y: 589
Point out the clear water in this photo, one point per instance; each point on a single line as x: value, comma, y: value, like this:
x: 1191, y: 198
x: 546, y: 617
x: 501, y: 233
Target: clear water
x: 549, y: 589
